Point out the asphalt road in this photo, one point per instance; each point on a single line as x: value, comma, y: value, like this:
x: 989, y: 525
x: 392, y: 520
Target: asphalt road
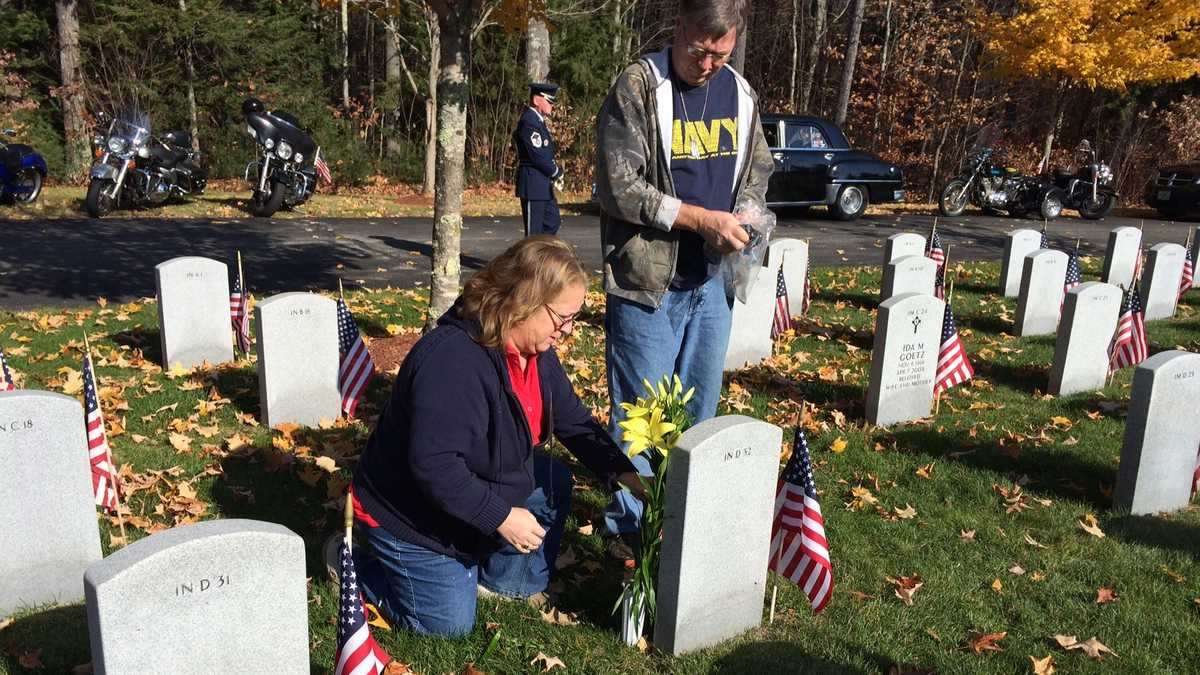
x: 57, y: 263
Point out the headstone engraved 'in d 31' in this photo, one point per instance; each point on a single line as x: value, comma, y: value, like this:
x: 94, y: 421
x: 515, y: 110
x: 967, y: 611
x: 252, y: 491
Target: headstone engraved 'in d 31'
x: 223, y: 596
x: 1081, y: 348
x: 47, y: 511
x: 716, y: 532
x: 1019, y: 244
x: 1158, y: 456
x: 1041, y: 298
x: 193, y: 311
x: 902, y: 244
x: 908, y: 274
x: 750, y: 331
x: 1121, y: 256
x: 1160, y: 281
x: 908, y: 330
x: 297, y: 359
x: 793, y: 255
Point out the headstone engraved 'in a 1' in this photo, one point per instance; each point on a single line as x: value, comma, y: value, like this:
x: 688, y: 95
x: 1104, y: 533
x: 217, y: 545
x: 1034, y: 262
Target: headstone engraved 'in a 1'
x: 223, y: 596
x: 793, y: 255
x: 908, y: 274
x: 908, y: 331
x: 1019, y: 244
x: 902, y: 244
x: 1041, y: 298
x: 297, y: 359
x: 1160, y: 281
x: 47, y: 511
x: 193, y: 311
x: 750, y: 331
x: 1081, y: 348
x: 1158, y: 456
x: 720, y: 502
x: 1121, y: 256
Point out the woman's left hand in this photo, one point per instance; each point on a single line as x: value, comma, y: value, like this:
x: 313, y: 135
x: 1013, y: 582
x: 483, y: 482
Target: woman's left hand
x: 634, y: 483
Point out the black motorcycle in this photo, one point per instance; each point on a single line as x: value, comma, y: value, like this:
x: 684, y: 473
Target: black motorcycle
x: 994, y: 188
x: 285, y: 175
x: 133, y: 168
x: 1088, y: 188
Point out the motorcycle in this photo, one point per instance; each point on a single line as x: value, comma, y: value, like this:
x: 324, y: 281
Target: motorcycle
x: 22, y: 171
x: 1087, y: 189
x: 996, y: 188
x: 133, y: 168
x: 286, y: 173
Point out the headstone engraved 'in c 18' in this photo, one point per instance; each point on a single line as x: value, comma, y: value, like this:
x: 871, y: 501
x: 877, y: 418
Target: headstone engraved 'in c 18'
x: 1158, y: 456
x: 47, y: 511
x: 716, y: 532
x: 908, y: 274
x: 908, y: 331
x: 1019, y: 244
x: 750, y: 331
x: 223, y: 596
x: 1121, y: 256
x: 193, y: 311
x: 1160, y: 281
x: 902, y: 244
x: 297, y: 359
x: 1041, y: 298
x: 1081, y: 348
x: 793, y: 255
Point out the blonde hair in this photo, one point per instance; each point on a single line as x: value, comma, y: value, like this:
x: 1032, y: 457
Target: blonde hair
x: 516, y: 283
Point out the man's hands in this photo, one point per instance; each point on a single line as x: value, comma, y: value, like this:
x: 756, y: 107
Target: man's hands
x: 634, y: 484
x: 720, y: 229
x: 522, y: 530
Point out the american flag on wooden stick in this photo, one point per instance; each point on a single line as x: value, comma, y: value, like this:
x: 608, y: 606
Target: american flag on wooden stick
x: 1196, y: 476
x: 239, y: 313
x: 356, y: 368
x: 936, y: 253
x: 783, y: 312
x: 953, y: 366
x: 357, y: 651
x: 1189, y: 273
x: 799, y: 550
x: 1128, y: 347
x: 806, y: 300
x: 6, y: 381
x: 104, y: 475
x: 1074, y: 272
x: 322, y: 168
x: 1045, y: 243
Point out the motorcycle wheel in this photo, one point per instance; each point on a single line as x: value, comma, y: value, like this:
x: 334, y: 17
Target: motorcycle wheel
x: 31, y: 179
x: 266, y: 207
x: 1051, y: 206
x: 953, y: 200
x: 1095, y: 210
x: 98, y: 203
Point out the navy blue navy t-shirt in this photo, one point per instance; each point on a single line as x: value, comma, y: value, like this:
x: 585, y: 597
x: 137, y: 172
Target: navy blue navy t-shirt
x: 704, y: 150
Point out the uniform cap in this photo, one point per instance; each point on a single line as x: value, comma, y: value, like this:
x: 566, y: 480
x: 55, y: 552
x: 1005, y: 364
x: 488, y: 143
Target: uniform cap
x: 544, y: 89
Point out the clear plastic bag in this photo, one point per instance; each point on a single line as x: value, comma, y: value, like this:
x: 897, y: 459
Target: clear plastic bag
x: 738, y: 267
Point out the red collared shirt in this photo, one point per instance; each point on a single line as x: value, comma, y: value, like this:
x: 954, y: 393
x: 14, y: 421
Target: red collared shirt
x: 527, y: 387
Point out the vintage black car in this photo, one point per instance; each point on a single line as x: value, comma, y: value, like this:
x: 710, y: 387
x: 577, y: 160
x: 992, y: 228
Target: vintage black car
x: 814, y: 164
x: 1175, y: 190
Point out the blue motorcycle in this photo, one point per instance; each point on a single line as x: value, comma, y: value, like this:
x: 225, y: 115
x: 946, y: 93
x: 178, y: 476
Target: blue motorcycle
x: 22, y: 172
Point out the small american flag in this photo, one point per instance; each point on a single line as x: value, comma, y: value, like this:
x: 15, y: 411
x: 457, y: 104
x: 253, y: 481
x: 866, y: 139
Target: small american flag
x: 6, y: 381
x: 1074, y: 272
x: 799, y: 550
x: 322, y: 168
x: 239, y: 312
x: 953, y: 366
x: 1045, y: 240
x: 1196, y: 476
x: 783, y: 313
x: 1129, y: 345
x: 806, y: 301
x: 357, y: 368
x: 1189, y: 274
x: 936, y: 253
x: 104, y: 476
x: 357, y: 652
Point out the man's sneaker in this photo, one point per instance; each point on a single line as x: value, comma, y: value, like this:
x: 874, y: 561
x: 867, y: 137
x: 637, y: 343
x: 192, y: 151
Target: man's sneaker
x: 537, y: 600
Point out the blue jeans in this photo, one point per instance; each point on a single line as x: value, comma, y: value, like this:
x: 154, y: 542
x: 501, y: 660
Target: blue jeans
x: 688, y: 336
x: 434, y: 594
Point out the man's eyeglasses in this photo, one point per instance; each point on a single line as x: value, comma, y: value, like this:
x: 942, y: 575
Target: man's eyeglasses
x: 560, y: 322
x: 700, y: 54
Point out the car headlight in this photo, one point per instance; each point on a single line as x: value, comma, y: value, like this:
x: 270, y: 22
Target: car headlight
x: 298, y: 157
x: 270, y: 143
x: 116, y: 145
x: 284, y: 150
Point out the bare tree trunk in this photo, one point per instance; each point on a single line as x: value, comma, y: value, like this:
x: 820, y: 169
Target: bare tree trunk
x: 856, y: 21
x: 191, y: 85
x: 883, y: 66
x: 738, y: 61
x: 618, y: 40
x: 345, y: 55
x: 1055, y: 125
x: 74, y: 110
x: 391, y: 57
x: 537, y: 49
x: 814, y: 54
x: 949, y: 115
x: 431, y: 101
x: 795, y: 55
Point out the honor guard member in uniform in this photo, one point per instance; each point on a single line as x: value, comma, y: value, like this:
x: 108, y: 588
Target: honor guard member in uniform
x: 536, y: 169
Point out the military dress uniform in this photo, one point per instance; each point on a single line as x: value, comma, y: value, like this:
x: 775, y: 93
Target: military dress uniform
x: 536, y: 169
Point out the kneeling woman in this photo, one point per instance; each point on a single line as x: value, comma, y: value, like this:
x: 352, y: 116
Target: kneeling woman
x: 453, y: 489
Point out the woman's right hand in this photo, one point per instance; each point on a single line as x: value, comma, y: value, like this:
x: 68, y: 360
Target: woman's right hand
x: 522, y: 530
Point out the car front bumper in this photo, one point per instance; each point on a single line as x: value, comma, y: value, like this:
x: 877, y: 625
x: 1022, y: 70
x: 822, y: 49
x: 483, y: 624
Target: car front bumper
x: 1179, y: 198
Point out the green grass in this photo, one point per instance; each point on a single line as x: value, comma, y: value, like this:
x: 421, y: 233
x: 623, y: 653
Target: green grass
x: 997, y: 432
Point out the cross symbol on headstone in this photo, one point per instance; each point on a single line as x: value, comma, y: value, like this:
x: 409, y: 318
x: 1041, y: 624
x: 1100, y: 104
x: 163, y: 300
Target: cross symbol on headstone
x: 916, y: 322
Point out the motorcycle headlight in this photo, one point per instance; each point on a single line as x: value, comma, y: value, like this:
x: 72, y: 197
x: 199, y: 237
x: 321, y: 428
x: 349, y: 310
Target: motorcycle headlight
x: 298, y: 157
x: 270, y: 143
x: 1105, y: 173
x: 284, y: 150
x: 143, y: 152
x: 116, y: 145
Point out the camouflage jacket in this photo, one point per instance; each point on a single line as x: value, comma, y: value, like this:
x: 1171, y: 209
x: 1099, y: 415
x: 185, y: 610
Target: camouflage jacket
x: 633, y: 177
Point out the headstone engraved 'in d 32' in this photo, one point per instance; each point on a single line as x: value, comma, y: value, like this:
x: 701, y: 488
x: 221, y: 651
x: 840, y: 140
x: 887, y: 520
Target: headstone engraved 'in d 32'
x: 223, y: 596
x: 750, y: 331
x: 793, y: 255
x: 1160, y: 281
x: 908, y: 274
x: 1019, y: 244
x: 1121, y: 256
x: 1081, y: 348
x: 297, y: 359
x: 193, y: 311
x: 1158, y: 456
x: 908, y: 330
x: 716, y: 532
x: 902, y: 244
x: 47, y: 511
x: 1041, y: 298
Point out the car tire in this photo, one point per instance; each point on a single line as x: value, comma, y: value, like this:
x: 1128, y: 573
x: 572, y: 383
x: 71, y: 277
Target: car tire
x: 850, y: 204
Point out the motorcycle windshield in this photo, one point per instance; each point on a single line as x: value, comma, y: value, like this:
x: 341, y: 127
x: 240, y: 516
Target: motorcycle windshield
x: 132, y: 126
x: 281, y: 128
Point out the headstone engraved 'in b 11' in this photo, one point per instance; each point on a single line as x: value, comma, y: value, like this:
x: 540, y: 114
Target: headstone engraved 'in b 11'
x: 901, y: 244
x: 193, y: 311
x: 750, y: 330
x: 1121, y: 256
x: 1160, y: 281
x: 793, y: 255
x: 1019, y: 244
x: 297, y: 359
x: 908, y: 274
x: 1041, y: 298
x: 908, y: 332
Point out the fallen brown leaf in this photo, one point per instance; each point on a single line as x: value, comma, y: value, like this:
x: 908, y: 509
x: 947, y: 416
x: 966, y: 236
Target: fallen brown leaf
x: 1033, y: 542
x: 31, y: 659
x: 1105, y: 595
x: 985, y: 642
x: 926, y: 471
x: 1092, y: 647
x: 547, y: 663
x: 997, y: 586
x: 966, y: 535
x: 1044, y: 666
x: 861, y: 597
x: 906, y: 587
x: 398, y: 668
x: 1017, y: 570
x: 558, y: 617
x: 906, y: 513
x: 1089, y: 525
x: 1175, y: 576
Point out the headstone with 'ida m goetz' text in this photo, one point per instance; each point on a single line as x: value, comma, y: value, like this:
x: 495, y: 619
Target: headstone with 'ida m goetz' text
x: 904, y: 358
x: 222, y: 596
x: 720, y: 502
x: 901, y: 244
x: 1121, y: 256
x: 297, y: 359
x: 1160, y: 281
x: 1081, y: 348
x: 1158, y: 456
x: 1041, y: 298
x: 1019, y: 244
x: 47, y: 510
x: 193, y: 311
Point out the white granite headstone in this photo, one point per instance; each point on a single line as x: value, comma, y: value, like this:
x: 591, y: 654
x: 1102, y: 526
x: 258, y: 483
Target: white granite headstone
x: 908, y: 274
x: 193, y: 311
x: 902, y: 244
x: 750, y: 331
x: 1121, y: 256
x: 793, y: 255
x: 908, y: 331
x: 297, y: 359
x: 1160, y: 281
x: 47, y: 510
x: 1040, y: 300
x: 1019, y: 244
x: 717, y: 518
x: 1081, y: 349
x: 222, y: 596
x: 1195, y: 260
x: 1158, y: 455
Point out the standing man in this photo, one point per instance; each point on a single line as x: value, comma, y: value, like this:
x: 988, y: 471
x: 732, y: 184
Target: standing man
x: 536, y: 169
x: 679, y: 148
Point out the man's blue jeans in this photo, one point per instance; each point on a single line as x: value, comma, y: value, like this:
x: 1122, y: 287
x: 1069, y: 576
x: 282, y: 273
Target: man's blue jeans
x: 432, y: 593
x: 687, y: 335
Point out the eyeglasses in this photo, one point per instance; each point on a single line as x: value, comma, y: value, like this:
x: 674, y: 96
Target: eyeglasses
x: 561, y: 322
x: 699, y: 53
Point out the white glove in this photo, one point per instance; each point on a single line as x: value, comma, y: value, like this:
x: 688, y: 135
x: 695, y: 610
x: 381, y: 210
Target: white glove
x: 558, y: 184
